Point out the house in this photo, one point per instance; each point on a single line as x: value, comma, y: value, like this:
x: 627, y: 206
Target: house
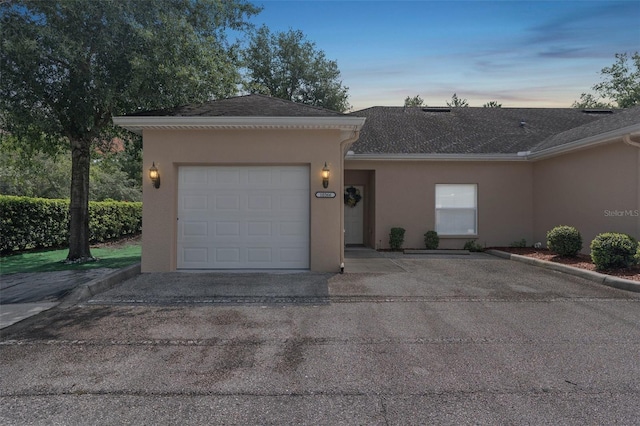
x: 255, y: 182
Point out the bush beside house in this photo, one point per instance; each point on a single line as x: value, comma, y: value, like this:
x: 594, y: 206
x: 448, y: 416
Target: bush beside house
x: 613, y: 250
x: 396, y: 238
x: 30, y: 223
x: 431, y: 240
x: 564, y: 240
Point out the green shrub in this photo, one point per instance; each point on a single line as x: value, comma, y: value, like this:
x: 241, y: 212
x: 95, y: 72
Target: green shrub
x: 564, y: 240
x: 431, y: 240
x: 473, y: 246
x: 396, y: 238
x: 32, y: 223
x: 612, y: 250
x: 28, y: 223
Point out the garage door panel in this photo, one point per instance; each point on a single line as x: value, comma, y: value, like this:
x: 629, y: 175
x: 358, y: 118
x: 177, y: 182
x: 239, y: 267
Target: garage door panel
x: 293, y: 179
x: 259, y: 229
x: 243, y: 217
x: 195, y: 176
x: 227, y: 202
x: 260, y: 202
x: 195, y: 255
x: 195, y: 202
x: 259, y: 177
x: 195, y: 229
x: 293, y: 202
x: 227, y: 229
x: 229, y: 176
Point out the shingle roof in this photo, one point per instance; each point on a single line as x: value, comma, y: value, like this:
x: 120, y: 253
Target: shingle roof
x: 619, y: 120
x: 243, y: 106
x: 469, y: 130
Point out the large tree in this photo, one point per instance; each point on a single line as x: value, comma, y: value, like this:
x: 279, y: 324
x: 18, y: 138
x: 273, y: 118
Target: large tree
x: 621, y: 85
x: 68, y: 66
x: 288, y: 66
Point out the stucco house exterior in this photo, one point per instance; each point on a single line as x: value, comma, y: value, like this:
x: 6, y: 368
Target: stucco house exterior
x: 243, y: 181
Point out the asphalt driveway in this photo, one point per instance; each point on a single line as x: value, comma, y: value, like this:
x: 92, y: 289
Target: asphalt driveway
x: 460, y: 340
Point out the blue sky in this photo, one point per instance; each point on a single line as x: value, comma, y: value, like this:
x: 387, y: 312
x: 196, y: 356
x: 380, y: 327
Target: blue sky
x: 518, y: 53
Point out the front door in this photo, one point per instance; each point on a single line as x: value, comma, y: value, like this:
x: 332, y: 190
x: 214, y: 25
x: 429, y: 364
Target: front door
x: 354, y: 215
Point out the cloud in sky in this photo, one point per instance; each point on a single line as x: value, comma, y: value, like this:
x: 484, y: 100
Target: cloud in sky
x: 519, y: 53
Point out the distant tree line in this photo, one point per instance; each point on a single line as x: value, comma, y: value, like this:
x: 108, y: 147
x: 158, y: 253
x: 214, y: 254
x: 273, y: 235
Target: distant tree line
x: 619, y: 88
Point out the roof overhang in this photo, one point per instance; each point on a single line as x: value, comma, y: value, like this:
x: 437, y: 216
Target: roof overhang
x: 622, y: 134
x: 137, y: 124
x: 436, y: 157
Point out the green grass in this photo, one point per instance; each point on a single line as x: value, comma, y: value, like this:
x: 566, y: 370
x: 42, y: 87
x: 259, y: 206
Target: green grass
x: 52, y: 260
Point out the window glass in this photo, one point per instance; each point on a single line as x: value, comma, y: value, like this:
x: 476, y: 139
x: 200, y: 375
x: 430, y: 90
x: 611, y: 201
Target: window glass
x: 456, y: 209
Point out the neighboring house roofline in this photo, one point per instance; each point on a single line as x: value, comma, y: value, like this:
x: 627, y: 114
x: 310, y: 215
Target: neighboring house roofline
x: 137, y: 124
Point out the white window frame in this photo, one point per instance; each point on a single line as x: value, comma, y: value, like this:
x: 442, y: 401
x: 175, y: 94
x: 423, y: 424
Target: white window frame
x: 455, y: 206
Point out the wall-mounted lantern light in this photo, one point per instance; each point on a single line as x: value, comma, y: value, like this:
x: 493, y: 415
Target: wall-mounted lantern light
x: 154, y: 175
x: 325, y: 176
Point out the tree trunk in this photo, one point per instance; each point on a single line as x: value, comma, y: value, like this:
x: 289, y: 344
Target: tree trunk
x: 79, y: 250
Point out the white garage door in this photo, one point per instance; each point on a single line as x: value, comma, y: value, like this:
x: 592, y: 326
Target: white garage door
x: 243, y: 217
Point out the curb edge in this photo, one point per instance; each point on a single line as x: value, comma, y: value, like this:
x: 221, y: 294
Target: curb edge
x: 608, y: 280
x: 87, y: 290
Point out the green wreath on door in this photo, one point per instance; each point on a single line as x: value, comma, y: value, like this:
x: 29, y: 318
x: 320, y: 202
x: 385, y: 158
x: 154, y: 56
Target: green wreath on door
x: 352, y: 196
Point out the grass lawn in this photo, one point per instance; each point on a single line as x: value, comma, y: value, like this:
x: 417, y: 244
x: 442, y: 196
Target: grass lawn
x: 114, y: 256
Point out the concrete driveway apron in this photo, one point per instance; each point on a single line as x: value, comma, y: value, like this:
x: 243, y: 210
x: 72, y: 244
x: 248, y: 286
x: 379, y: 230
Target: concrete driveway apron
x: 473, y: 340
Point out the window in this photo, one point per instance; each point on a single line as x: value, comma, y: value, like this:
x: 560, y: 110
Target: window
x: 456, y: 209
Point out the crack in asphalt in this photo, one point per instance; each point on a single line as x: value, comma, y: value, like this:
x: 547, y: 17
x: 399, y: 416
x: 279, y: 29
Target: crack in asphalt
x: 303, y: 394
x: 270, y: 300
x: 310, y: 341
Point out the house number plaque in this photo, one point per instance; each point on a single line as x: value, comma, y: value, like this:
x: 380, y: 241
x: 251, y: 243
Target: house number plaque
x: 325, y: 195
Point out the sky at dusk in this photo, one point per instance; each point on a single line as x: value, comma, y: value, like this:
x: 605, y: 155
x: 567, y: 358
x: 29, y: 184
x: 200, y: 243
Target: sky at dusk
x: 518, y: 53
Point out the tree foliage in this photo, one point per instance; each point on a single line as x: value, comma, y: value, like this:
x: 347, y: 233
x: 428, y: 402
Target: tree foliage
x: 590, y: 101
x: 415, y: 101
x: 457, y: 102
x: 68, y: 66
x: 492, y: 104
x: 621, y: 85
x: 115, y: 174
x: 288, y: 66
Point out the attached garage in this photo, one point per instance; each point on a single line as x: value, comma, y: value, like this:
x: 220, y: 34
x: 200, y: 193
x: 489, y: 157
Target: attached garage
x: 243, y: 217
x: 239, y: 184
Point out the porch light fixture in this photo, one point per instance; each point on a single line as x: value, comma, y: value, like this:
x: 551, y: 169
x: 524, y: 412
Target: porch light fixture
x: 154, y: 175
x: 325, y: 176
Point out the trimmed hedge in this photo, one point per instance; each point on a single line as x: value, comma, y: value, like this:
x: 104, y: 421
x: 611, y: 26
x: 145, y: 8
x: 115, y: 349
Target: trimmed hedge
x: 612, y: 250
x: 30, y: 223
x: 564, y: 240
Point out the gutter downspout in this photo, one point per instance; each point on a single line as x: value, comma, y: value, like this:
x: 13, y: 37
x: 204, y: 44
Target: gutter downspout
x: 345, y: 144
x: 628, y: 139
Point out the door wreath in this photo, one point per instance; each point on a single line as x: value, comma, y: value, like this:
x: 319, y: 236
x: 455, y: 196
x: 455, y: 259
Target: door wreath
x: 352, y: 196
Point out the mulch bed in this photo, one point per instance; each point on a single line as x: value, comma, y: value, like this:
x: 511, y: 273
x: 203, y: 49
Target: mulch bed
x: 119, y: 243
x: 582, y: 261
